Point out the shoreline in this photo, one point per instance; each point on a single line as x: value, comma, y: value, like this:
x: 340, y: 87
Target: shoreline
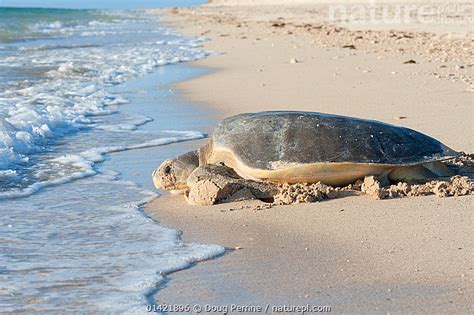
x: 72, y: 190
x: 354, y: 254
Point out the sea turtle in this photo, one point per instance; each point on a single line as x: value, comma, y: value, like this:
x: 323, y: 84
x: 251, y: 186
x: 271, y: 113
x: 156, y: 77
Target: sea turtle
x: 296, y: 147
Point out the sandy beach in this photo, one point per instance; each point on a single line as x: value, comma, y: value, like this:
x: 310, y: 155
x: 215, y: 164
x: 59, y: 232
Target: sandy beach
x: 354, y: 254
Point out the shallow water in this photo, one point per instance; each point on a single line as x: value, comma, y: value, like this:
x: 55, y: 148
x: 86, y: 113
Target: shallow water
x: 85, y: 114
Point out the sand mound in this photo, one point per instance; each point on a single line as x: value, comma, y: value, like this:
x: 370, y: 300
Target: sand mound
x: 456, y: 186
x: 371, y: 186
x: 299, y: 193
x: 459, y: 185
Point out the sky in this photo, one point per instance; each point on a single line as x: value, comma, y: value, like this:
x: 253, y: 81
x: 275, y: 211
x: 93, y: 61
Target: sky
x: 99, y: 4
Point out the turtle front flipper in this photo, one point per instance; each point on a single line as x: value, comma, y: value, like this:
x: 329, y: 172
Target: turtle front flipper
x: 412, y: 174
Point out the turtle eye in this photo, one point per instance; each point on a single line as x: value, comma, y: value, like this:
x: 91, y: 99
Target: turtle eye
x: 167, y: 169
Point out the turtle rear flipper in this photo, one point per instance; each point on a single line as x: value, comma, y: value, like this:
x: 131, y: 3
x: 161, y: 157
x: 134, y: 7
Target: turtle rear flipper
x: 412, y: 174
x: 440, y: 169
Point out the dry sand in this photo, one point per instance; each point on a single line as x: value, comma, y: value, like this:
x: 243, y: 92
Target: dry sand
x: 356, y: 254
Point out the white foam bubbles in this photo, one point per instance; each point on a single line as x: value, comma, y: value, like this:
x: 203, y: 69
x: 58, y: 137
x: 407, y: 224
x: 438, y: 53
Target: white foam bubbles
x: 87, y: 244
x: 66, y: 168
x: 71, y: 90
x: 94, y: 250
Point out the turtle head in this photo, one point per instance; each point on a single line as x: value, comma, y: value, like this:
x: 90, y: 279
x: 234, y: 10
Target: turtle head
x: 173, y: 174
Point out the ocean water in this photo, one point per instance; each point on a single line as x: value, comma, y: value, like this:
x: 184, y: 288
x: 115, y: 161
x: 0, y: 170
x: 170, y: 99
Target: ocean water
x: 85, y: 114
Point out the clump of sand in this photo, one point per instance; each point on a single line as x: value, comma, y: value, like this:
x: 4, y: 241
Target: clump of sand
x: 300, y: 193
x: 372, y: 186
x: 456, y: 186
x: 212, y: 184
x: 459, y: 185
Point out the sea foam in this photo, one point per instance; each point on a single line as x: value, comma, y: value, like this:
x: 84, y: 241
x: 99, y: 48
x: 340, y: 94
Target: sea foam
x: 73, y: 234
x: 66, y: 92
